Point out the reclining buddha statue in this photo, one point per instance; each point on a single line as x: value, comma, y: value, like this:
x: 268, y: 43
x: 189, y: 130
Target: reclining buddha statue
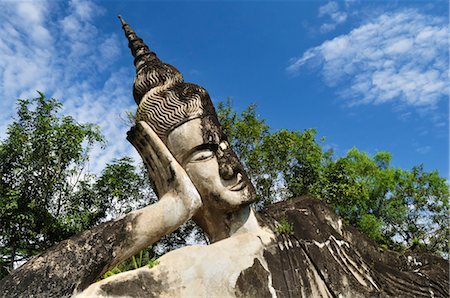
x: 197, y: 176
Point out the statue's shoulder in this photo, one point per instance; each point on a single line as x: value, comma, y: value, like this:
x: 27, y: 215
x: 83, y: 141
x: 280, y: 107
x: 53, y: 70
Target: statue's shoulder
x: 203, y: 270
x: 316, y: 254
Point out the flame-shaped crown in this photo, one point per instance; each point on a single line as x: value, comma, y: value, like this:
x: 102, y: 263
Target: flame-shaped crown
x: 165, y: 101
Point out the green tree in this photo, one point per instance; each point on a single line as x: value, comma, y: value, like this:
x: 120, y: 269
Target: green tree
x: 425, y: 196
x: 359, y: 187
x: 46, y: 195
x: 126, y: 186
x: 39, y: 156
x: 281, y: 164
x: 120, y: 188
x: 393, y: 206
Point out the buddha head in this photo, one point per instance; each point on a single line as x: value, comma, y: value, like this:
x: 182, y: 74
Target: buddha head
x: 183, y: 116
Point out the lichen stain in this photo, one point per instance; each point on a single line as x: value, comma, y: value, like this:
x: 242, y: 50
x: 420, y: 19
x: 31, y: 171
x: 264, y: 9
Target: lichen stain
x: 253, y: 282
x: 143, y: 284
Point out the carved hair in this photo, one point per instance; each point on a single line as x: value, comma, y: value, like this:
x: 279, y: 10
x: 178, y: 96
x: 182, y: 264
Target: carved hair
x: 165, y: 107
x: 165, y: 100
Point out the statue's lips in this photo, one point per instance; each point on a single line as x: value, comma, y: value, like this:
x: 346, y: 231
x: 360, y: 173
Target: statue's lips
x: 240, y: 183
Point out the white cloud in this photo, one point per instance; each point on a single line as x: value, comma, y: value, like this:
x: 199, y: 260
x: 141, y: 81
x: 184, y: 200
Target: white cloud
x: 400, y: 46
x: 57, y: 49
x: 423, y: 150
x: 109, y: 49
x: 85, y: 10
x: 349, y: 3
x: 397, y: 57
x: 30, y: 17
x: 331, y: 10
x: 328, y: 9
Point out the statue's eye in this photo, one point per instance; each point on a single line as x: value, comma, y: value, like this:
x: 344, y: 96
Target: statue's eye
x: 203, y: 152
x: 224, y: 145
x: 202, y: 155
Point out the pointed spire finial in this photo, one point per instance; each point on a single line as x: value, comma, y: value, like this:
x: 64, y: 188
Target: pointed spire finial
x: 164, y: 100
x: 139, y: 49
x: 150, y: 71
x: 121, y: 20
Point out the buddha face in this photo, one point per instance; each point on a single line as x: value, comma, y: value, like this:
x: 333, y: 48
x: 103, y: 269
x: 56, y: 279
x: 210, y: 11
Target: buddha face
x: 203, y: 151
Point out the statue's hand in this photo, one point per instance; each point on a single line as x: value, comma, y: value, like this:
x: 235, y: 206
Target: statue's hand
x: 168, y: 175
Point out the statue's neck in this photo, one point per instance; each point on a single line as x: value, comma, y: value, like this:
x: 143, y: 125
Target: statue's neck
x: 219, y: 226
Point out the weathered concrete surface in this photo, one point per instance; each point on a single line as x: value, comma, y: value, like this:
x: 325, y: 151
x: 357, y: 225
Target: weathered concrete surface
x: 321, y: 258
x: 71, y: 265
x: 326, y: 258
x: 215, y: 270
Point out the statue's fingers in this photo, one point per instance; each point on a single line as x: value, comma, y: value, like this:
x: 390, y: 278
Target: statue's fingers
x: 158, y: 150
x: 154, y: 175
x: 159, y: 155
x: 146, y: 144
x: 162, y: 165
x: 150, y: 155
x: 158, y: 146
x: 139, y: 136
x: 155, y: 167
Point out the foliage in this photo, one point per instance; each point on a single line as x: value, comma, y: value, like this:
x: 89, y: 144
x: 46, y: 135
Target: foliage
x: 281, y: 164
x: 41, y: 154
x: 426, y: 196
x: 45, y: 193
x: 284, y: 227
x: 395, y: 207
x: 390, y: 205
x: 153, y: 262
x: 179, y: 238
x: 145, y: 257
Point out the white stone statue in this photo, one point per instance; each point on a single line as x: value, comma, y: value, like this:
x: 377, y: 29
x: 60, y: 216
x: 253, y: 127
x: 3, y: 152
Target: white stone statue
x: 197, y: 190
x: 196, y: 175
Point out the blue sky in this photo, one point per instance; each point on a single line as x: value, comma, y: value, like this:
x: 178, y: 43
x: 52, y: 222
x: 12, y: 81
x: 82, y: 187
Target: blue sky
x: 366, y: 74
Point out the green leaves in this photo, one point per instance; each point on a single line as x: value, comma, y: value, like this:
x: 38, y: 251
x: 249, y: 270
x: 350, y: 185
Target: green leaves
x: 370, y: 225
x: 283, y: 163
x: 389, y: 204
x: 284, y: 227
x: 395, y: 207
x: 145, y: 257
x: 35, y: 164
x: 45, y: 193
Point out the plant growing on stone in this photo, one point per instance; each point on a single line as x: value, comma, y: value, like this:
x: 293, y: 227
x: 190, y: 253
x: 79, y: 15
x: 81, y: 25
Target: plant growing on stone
x: 152, y: 262
x: 284, y: 228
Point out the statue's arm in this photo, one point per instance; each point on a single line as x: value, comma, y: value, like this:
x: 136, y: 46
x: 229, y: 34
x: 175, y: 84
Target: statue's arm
x: 178, y: 197
x: 75, y: 263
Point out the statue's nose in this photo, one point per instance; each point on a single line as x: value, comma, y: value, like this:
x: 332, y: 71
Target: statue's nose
x: 226, y: 171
